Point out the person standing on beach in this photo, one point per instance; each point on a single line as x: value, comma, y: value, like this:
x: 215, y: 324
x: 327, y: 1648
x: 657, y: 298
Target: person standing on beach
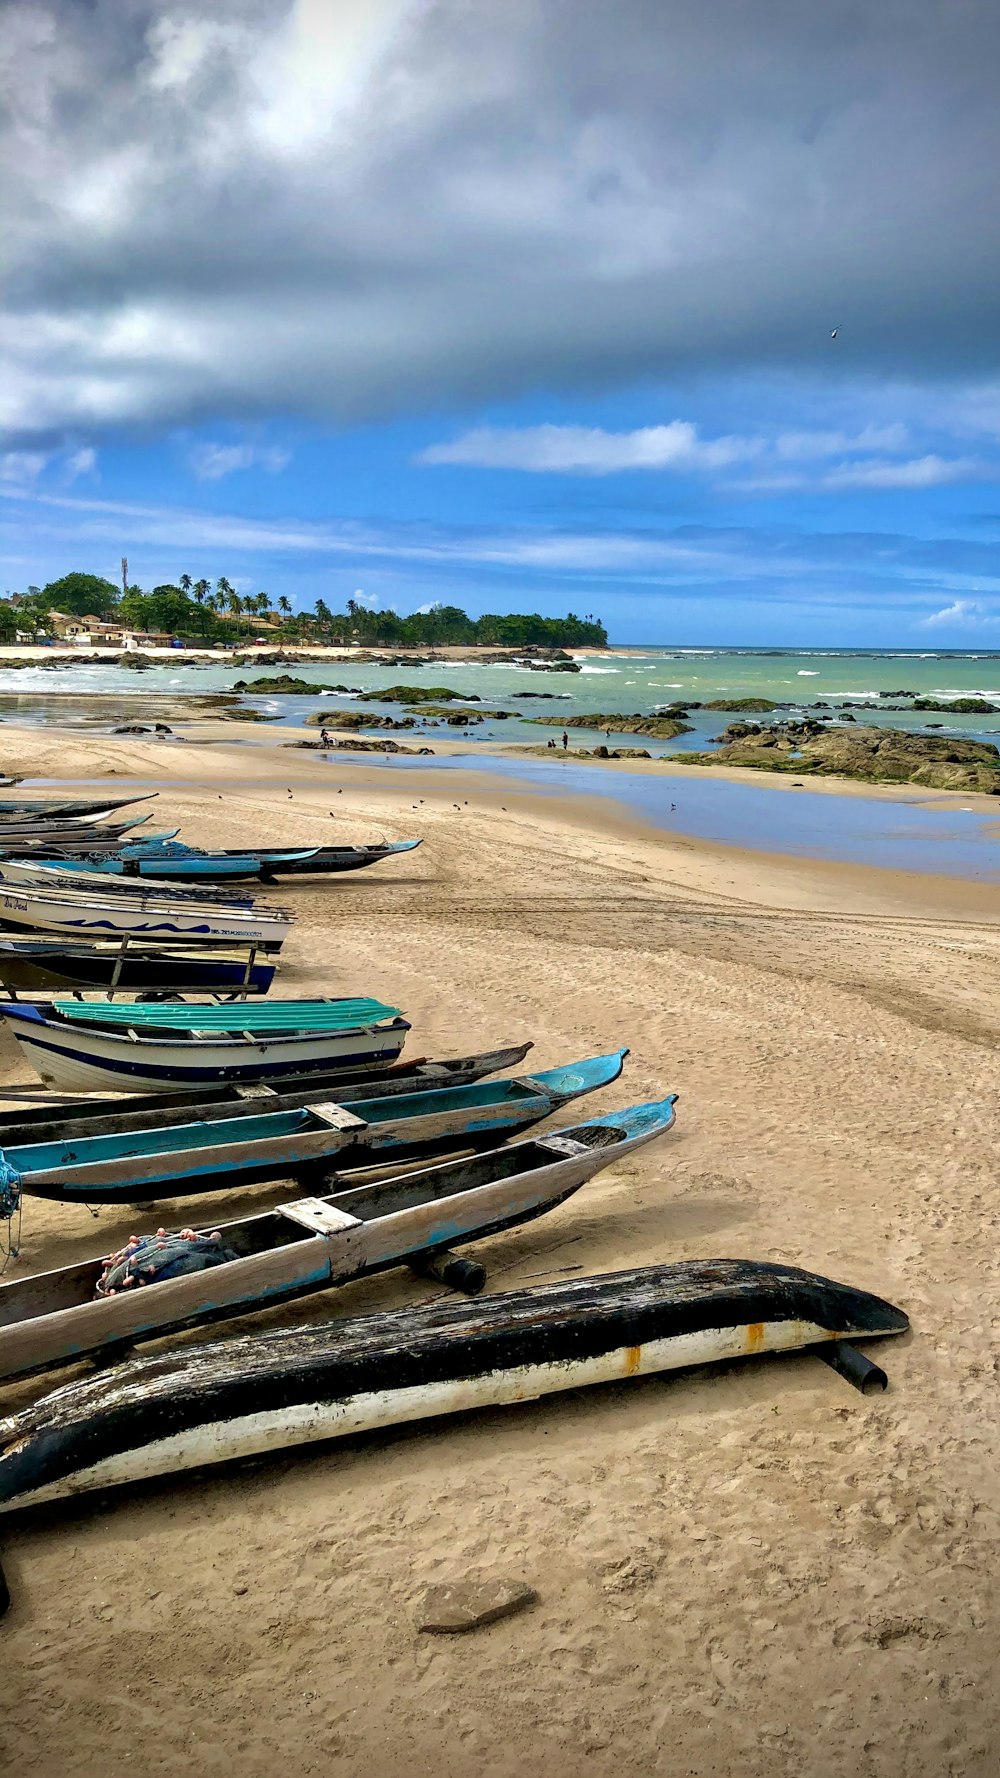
x: 565, y: 740
x: 324, y: 737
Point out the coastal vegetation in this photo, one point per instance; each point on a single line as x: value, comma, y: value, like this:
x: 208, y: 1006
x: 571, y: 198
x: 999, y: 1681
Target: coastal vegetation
x: 195, y: 609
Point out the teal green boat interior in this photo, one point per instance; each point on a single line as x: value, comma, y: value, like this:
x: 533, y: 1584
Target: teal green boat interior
x: 500, y: 1102
x: 274, y: 1016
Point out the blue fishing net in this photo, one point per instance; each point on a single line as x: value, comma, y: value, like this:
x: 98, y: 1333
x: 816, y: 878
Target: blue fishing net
x: 10, y: 1189
x: 152, y: 1259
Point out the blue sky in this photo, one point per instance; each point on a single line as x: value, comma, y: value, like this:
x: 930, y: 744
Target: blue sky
x: 518, y: 308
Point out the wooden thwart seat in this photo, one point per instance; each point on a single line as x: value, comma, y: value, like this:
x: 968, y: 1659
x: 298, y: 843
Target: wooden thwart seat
x: 319, y: 1217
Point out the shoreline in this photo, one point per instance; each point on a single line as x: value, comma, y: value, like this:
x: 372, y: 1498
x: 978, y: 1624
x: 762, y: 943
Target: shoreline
x: 832, y: 1033
x: 793, y: 878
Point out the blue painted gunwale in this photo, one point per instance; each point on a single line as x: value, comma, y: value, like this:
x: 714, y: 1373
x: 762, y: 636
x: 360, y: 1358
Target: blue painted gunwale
x: 484, y: 1108
x: 237, y: 1067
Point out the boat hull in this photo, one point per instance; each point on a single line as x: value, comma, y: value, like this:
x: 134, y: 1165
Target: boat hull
x: 54, y: 1318
x: 181, y: 1159
x: 332, y: 860
x: 88, y: 1060
x: 246, y: 1397
x: 36, y: 910
x: 141, y: 1111
x: 27, y: 968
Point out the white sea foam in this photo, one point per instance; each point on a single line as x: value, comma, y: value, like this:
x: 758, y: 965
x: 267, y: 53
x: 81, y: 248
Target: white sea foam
x: 808, y: 673
x: 950, y: 692
x: 589, y: 669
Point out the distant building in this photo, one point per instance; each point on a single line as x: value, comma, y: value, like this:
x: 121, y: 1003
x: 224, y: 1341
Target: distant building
x: 145, y: 638
x: 84, y: 630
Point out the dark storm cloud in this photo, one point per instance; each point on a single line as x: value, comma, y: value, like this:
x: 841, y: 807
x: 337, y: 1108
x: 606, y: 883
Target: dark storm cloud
x: 341, y: 207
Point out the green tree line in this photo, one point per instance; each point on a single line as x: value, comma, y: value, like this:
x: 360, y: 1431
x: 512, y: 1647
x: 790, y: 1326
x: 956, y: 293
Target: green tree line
x: 198, y: 610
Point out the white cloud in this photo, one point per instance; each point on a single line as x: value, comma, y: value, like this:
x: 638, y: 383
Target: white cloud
x: 798, y: 447
x: 370, y: 600
x: 344, y: 209
x: 81, y: 462
x: 920, y: 472
x: 587, y: 450
x: 962, y: 613
x: 22, y: 468
x: 678, y: 446
x: 211, y: 462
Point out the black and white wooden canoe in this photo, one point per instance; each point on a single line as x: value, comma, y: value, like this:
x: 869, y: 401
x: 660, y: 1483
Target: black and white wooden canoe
x: 242, y: 1397
x: 60, y: 1116
x: 313, y: 1243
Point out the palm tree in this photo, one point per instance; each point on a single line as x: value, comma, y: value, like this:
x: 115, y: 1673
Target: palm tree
x: 185, y: 583
x: 284, y: 606
x: 201, y: 591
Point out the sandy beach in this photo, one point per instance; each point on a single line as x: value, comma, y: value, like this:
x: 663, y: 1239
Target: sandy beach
x: 752, y: 1569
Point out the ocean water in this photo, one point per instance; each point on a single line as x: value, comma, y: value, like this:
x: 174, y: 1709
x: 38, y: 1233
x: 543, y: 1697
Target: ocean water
x: 620, y: 681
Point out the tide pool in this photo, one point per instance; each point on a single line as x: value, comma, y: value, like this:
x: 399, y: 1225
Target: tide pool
x: 913, y: 835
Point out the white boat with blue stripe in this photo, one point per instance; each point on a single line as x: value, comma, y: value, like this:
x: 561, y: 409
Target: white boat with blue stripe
x: 103, y: 914
x: 137, y: 1047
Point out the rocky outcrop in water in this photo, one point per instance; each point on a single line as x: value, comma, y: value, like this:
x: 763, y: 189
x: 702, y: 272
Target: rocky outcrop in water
x: 762, y: 705
x: 664, y: 727
x: 958, y: 706
x: 418, y: 694
x: 287, y: 682
x: 343, y: 744
x: 355, y: 719
x: 872, y: 755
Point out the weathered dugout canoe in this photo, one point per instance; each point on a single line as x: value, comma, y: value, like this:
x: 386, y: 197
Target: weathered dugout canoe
x: 176, y: 1160
x: 238, y: 1398
x: 318, y: 1242
x: 425, y: 1081
x: 86, y: 843
x: 54, y: 810
x: 38, y: 966
x: 84, y: 828
x: 330, y: 860
x: 143, y: 1111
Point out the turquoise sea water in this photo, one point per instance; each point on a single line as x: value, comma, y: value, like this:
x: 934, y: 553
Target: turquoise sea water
x: 908, y: 836
x: 618, y: 681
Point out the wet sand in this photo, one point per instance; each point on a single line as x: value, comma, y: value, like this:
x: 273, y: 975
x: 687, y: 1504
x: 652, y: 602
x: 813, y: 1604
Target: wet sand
x: 751, y: 1569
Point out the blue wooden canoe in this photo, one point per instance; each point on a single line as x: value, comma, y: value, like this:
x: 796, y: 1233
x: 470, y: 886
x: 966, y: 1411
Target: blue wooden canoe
x: 313, y: 1243
x: 180, y: 1159
x: 266, y: 861
x: 164, y: 867
x: 56, y: 966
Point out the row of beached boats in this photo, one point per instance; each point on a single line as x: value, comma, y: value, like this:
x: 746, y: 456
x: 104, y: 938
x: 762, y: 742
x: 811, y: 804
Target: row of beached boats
x: 392, y: 1163
x: 85, y: 904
